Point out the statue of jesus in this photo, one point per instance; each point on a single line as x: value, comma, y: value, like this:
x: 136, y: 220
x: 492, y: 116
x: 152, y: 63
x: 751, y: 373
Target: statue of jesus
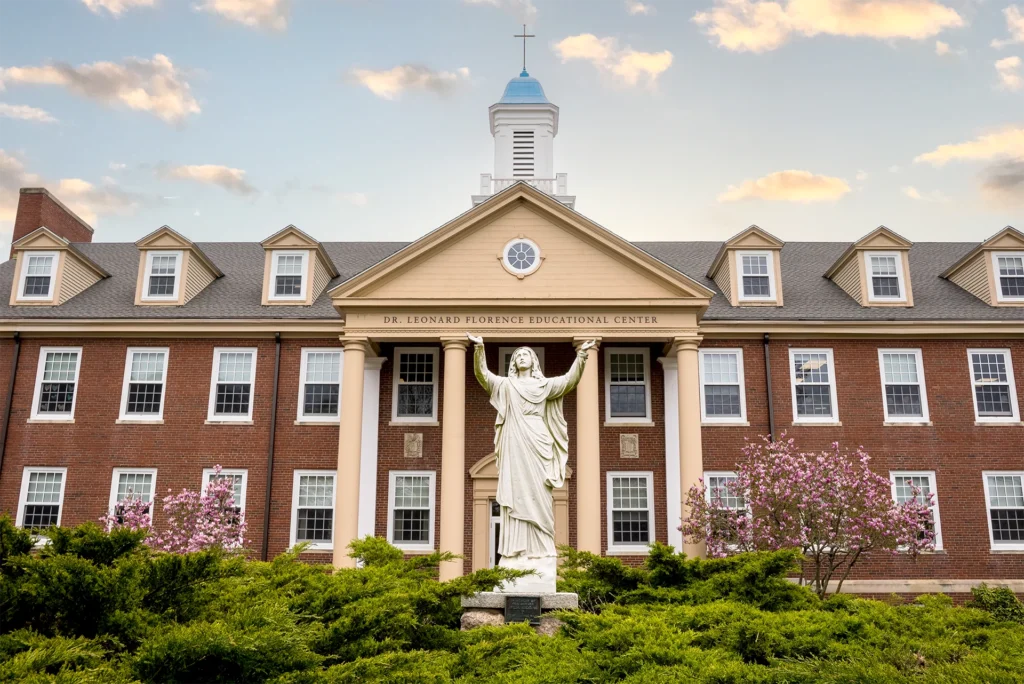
x: 531, y: 440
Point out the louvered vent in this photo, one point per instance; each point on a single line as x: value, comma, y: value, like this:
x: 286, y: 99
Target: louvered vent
x: 522, y: 154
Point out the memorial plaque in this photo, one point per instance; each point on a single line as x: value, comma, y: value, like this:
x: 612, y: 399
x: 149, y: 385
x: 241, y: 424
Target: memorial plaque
x: 523, y: 609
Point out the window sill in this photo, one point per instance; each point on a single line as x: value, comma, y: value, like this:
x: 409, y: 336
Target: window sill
x: 998, y: 423
x: 629, y: 423
x: 228, y: 422
x: 724, y: 424
x: 1007, y: 552
x: 817, y: 423
x: 414, y: 423
x: 134, y: 421
x: 415, y: 551
x: 50, y: 420
x: 907, y: 423
x: 637, y: 551
x: 314, y: 549
x: 335, y: 422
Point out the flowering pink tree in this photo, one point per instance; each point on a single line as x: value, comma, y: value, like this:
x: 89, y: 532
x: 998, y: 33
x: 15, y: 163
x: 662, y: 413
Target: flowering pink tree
x: 194, y: 521
x: 830, y: 505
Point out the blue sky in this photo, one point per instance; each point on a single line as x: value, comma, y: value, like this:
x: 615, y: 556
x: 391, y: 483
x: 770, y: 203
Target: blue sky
x: 367, y: 119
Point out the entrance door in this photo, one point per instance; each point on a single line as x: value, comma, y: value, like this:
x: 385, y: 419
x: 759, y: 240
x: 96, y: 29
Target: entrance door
x: 494, y: 556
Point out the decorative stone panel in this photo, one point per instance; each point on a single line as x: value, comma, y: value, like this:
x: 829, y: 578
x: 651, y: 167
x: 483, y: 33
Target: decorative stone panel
x: 629, y: 445
x: 414, y: 445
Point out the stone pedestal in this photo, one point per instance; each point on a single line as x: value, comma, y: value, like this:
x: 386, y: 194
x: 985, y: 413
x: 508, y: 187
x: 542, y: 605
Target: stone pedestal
x: 487, y: 608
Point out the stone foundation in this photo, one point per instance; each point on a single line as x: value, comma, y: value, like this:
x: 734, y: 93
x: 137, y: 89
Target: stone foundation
x: 487, y: 609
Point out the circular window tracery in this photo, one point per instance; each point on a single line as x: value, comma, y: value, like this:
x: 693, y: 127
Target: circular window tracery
x: 521, y: 256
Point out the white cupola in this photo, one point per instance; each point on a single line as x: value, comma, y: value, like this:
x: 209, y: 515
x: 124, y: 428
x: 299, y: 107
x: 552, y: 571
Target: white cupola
x: 524, y: 124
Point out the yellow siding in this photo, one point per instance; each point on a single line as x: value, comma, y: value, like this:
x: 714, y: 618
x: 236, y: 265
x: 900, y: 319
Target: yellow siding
x: 974, y: 277
x: 320, y: 277
x: 724, y: 276
x: 76, y: 278
x: 197, y: 278
x: 572, y: 267
x: 848, y: 278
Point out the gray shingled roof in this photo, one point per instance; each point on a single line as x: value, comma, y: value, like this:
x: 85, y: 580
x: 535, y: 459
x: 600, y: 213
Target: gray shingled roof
x: 807, y: 294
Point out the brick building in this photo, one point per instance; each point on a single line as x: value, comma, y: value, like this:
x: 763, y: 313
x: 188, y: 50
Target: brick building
x: 333, y: 381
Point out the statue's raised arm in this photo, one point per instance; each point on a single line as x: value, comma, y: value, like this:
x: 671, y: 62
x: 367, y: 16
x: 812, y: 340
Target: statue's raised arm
x: 484, y: 376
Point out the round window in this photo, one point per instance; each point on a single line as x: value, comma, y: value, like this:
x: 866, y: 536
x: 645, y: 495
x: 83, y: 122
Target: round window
x: 521, y: 256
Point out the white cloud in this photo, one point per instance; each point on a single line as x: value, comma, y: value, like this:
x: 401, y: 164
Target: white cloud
x: 788, y: 186
x: 761, y: 25
x: 1009, y: 73
x: 915, y: 194
x: 624, y: 63
x: 232, y: 180
x: 154, y: 86
x: 524, y: 10
x: 862, y: 175
x: 942, y: 49
x: 635, y: 7
x: 260, y: 14
x: 116, y: 7
x: 1014, y: 25
x: 25, y: 113
x: 1008, y: 142
x: 391, y: 83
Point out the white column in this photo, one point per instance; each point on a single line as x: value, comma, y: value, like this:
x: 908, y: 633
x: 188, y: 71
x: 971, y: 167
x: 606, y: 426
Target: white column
x: 368, y: 453
x: 673, y: 497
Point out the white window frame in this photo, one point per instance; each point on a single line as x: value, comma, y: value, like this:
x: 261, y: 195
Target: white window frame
x: 1000, y: 297
x: 244, y: 472
x: 318, y: 418
x: 930, y: 474
x: 23, y: 495
x: 723, y: 420
x: 912, y: 420
x: 178, y: 258
x: 55, y: 417
x: 313, y: 546
x: 211, y: 415
x: 142, y: 417
x: 396, y: 369
x: 1012, y: 386
x: 1007, y: 546
x: 630, y: 549
x: 770, y: 255
x: 833, y: 391
x: 609, y: 418
x: 116, y: 476
x: 900, y: 277
x: 22, y: 297
x: 272, y: 287
x: 505, y: 352
x: 708, y: 474
x: 405, y: 546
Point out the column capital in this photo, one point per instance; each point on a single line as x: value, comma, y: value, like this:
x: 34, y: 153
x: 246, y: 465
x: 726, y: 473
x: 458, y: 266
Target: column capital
x: 684, y: 343
x: 577, y: 342
x: 460, y: 342
x: 362, y: 343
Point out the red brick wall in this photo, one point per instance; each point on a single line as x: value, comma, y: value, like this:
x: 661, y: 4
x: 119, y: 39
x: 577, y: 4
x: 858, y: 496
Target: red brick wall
x: 36, y: 208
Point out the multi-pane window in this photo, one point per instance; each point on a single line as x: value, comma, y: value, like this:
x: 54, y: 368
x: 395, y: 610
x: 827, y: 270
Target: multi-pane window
x: 885, y: 276
x: 56, y: 383
x: 721, y: 386
x: 903, y: 391
x: 411, y: 510
x: 42, y: 497
x: 1009, y: 270
x: 756, y: 275
x: 238, y: 477
x: 415, y: 384
x: 313, y: 508
x: 995, y: 394
x: 1004, y: 496
x: 234, y: 374
x: 630, y: 511
x: 919, y: 486
x: 723, y: 489
x: 163, y: 270
x: 37, y: 276
x: 135, y: 483
x: 627, y: 389
x: 142, y: 396
x: 289, y: 275
x: 320, y: 384
x: 814, y: 385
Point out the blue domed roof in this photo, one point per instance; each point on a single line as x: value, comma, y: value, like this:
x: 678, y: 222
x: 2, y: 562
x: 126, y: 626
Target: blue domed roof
x: 524, y: 90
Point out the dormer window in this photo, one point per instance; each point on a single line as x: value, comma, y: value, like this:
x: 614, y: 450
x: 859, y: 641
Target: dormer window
x: 163, y: 275
x: 288, y: 279
x: 756, y: 272
x: 38, y: 275
x: 1009, y: 272
x: 886, y: 273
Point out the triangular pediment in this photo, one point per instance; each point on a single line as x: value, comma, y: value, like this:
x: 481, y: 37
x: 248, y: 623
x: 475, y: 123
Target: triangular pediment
x: 462, y: 260
x: 164, y: 237
x: 291, y: 237
x: 41, y: 238
x: 753, y: 237
x: 1008, y: 239
x: 880, y: 238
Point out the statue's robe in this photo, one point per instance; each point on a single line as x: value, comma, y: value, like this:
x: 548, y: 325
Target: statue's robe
x: 531, y: 440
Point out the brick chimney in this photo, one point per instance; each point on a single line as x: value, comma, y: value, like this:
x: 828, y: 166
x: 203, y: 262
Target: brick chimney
x: 37, y: 207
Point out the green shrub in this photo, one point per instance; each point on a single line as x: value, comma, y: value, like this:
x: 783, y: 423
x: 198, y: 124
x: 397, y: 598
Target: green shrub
x: 90, y: 542
x: 1000, y: 601
x: 14, y: 541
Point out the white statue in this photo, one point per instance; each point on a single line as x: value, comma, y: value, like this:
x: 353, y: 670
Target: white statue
x: 531, y: 440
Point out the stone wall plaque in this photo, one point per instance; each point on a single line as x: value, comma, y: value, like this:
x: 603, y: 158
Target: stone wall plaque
x: 523, y: 609
x: 629, y: 446
x: 414, y: 445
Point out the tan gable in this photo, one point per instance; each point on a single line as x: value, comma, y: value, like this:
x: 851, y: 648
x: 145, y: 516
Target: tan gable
x: 50, y: 270
x: 193, y: 270
x: 976, y: 271
x: 850, y: 271
x: 727, y: 266
x: 316, y: 269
